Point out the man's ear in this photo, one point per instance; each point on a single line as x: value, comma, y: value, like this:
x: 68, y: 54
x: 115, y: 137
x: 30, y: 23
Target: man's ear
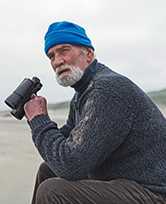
x: 90, y: 55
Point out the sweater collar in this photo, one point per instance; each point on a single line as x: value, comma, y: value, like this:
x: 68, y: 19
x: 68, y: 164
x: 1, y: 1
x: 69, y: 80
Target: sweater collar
x: 83, y: 83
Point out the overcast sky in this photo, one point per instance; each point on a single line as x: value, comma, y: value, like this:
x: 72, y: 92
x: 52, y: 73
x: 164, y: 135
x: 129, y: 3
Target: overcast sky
x: 128, y: 35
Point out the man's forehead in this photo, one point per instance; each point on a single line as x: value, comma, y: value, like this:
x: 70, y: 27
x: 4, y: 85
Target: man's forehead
x: 61, y: 46
x: 57, y: 47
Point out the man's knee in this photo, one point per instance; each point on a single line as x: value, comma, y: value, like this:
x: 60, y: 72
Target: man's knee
x: 52, y: 189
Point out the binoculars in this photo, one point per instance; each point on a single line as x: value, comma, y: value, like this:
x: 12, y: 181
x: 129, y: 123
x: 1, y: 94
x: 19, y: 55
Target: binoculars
x: 21, y: 95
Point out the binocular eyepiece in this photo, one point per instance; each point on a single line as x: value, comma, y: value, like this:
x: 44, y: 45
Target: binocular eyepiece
x: 21, y: 95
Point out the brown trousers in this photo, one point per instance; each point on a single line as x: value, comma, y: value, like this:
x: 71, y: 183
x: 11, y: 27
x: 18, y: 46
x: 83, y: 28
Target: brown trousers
x: 50, y: 189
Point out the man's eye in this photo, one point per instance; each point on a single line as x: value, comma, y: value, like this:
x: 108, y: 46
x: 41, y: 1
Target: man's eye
x: 65, y: 50
x: 50, y: 56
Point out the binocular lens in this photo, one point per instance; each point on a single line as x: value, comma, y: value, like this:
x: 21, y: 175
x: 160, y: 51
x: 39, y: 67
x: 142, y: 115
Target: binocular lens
x: 13, y: 100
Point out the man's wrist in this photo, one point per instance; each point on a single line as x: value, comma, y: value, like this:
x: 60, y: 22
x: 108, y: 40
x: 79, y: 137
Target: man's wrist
x: 34, y: 116
x: 39, y: 121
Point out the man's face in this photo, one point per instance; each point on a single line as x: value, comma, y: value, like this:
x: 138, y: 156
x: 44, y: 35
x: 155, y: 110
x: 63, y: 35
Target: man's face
x: 68, y: 62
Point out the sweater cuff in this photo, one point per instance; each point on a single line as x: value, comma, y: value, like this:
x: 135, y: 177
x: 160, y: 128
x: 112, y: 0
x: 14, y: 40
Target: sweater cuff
x: 39, y: 121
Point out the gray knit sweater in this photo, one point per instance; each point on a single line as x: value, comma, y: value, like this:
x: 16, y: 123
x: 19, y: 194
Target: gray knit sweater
x: 113, y: 130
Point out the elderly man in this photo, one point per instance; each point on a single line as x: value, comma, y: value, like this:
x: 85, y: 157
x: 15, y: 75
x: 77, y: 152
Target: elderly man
x: 112, y: 148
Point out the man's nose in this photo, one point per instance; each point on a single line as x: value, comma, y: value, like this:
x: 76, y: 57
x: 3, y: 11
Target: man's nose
x: 58, y: 61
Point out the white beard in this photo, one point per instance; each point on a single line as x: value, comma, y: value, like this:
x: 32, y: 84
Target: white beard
x: 70, y: 78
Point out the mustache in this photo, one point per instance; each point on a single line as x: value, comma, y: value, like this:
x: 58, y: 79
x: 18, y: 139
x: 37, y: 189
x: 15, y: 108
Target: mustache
x: 59, y: 70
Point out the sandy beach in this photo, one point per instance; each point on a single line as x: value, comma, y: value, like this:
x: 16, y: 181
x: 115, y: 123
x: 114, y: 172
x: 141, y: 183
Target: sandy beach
x: 19, y: 159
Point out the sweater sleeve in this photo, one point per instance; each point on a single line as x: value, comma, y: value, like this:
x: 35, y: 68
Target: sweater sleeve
x: 104, y: 124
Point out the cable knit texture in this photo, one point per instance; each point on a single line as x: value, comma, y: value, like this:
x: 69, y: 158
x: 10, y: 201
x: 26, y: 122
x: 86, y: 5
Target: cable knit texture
x: 113, y: 130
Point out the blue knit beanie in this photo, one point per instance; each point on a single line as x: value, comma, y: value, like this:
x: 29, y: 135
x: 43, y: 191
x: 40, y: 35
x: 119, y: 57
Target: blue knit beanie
x: 66, y: 32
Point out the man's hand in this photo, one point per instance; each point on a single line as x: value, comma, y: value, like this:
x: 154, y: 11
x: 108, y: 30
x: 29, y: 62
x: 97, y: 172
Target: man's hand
x: 36, y: 106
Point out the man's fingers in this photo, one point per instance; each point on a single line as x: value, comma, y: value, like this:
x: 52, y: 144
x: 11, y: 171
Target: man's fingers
x: 39, y: 99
